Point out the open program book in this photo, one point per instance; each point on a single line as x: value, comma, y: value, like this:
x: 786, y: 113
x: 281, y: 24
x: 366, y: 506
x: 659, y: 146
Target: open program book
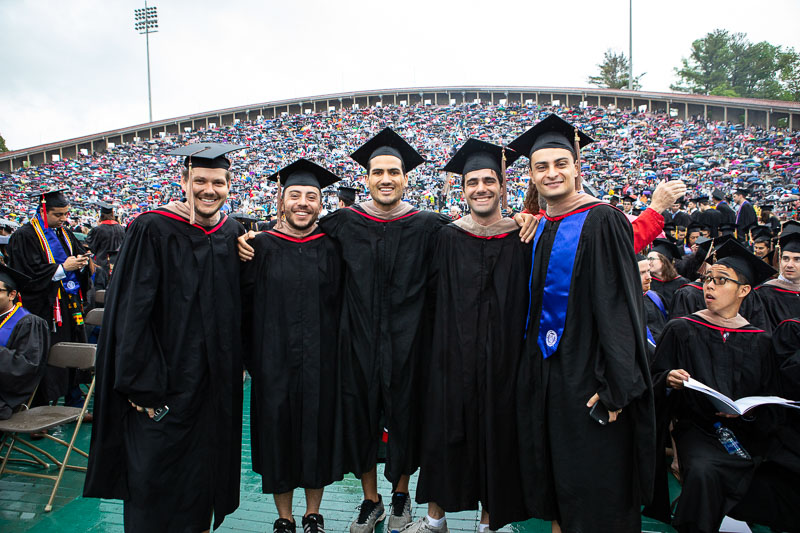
x: 740, y: 406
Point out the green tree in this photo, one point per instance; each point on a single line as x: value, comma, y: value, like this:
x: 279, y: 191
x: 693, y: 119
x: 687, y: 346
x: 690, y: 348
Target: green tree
x: 789, y: 65
x: 707, y: 66
x: 614, y: 72
x: 3, y: 147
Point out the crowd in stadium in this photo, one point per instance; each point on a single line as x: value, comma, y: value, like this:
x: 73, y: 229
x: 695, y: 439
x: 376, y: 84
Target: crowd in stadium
x: 634, y: 151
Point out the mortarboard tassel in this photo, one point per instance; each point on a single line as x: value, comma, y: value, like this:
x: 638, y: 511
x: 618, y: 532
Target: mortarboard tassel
x: 43, y: 207
x: 577, y: 142
x: 189, y: 192
x: 279, y: 205
x: 504, y: 191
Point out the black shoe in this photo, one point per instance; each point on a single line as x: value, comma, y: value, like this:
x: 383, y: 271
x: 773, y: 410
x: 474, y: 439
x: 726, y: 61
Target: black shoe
x: 313, y: 523
x: 283, y: 526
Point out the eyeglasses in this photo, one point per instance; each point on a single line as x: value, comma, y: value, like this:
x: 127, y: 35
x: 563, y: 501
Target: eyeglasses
x: 719, y: 281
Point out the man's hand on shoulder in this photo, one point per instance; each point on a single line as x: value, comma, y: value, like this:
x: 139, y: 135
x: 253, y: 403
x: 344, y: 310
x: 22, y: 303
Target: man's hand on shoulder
x: 246, y: 252
x: 527, y: 224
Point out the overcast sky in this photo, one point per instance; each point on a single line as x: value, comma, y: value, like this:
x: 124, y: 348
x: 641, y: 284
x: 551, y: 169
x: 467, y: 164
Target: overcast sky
x: 76, y: 67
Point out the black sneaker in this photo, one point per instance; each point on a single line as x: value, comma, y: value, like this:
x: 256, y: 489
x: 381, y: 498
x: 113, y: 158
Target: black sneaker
x: 370, y: 513
x: 313, y: 523
x: 282, y: 525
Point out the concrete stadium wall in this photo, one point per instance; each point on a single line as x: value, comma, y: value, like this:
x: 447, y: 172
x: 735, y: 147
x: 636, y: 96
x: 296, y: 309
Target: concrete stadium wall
x: 764, y: 113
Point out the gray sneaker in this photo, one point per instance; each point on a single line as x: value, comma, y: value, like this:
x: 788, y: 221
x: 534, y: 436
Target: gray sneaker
x: 400, y: 515
x: 423, y: 526
x: 369, y: 514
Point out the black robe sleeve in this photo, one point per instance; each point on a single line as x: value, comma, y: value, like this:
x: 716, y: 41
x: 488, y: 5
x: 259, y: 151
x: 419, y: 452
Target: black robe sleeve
x: 140, y: 371
x: 22, y: 362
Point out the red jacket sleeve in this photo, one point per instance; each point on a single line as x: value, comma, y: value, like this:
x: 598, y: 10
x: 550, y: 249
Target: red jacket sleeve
x: 646, y: 227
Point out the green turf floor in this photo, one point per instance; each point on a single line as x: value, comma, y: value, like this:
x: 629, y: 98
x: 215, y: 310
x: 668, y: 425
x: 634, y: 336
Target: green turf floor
x: 22, y: 502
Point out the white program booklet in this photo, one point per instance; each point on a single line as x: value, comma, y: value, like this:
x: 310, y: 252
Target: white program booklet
x: 740, y: 406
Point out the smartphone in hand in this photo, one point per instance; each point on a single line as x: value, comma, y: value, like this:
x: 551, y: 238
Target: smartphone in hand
x: 599, y: 413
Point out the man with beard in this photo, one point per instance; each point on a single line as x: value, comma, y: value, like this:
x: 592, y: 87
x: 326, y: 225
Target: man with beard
x: 586, y: 403
x: 386, y: 246
x: 107, y: 236
x: 781, y: 297
x: 48, y: 253
x: 469, y: 437
x: 167, y: 435
x: 291, y: 303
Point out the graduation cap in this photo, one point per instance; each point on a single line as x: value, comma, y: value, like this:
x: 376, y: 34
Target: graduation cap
x: 767, y: 207
x: 304, y: 172
x: 52, y: 197
x: 666, y: 248
x: 695, y: 226
x: 347, y: 195
x: 552, y: 132
x: 718, y: 194
x: 761, y: 234
x: 703, y: 246
x: 734, y: 255
x: 13, y: 279
x: 387, y: 142
x: 701, y: 200
x: 743, y: 191
x: 480, y: 155
x: 789, y: 240
x: 105, y: 207
x: 726, y: 228
x: 206, y: 155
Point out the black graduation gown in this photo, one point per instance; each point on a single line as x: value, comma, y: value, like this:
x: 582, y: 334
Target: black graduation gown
x: 738, y: 363
x: 587, y: 476
x: 104, y: 238
x: 170, y: 336
x: 385, y: 332
x: 728, y: 214
x: 40, y: 295
x: 470, y: 445
x: 654, y: 318
x: 689, y: 299
x: 291, y: 298
x: 779, y: 303
x: 22, y: 362
x: 666, y: 289
x: 745, y: 218
x: 712, y: 218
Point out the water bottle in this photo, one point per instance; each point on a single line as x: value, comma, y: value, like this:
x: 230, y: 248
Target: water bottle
x: 728, y: 440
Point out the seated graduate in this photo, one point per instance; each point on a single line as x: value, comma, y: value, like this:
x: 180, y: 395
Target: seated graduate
x: 654, y: 310
x: 718, y: 347
x: 24, y: 344
x: 666, y: 279
x: 781, y: 297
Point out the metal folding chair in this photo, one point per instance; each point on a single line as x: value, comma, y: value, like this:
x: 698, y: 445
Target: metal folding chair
x: 100, y: 297
x: 75, y: 355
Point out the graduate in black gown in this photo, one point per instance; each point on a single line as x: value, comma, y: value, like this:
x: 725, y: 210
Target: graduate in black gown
x: 107, y: 236
x: 665, y: 277
x: 45, y: 250
x: 781, y: 297
x: 728, y: 214
x: 689, y: 297
x: 585, y: 347
x: 168, y: 411
x: 292, y: 295
x: 655, y: 312
x: 470, y: 445
x: 24, y: 344
x: 746, y: 215
x: 718, y: 347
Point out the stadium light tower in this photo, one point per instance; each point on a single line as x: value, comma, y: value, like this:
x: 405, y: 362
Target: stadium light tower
x: 630, y: 46
x: 146, y: 21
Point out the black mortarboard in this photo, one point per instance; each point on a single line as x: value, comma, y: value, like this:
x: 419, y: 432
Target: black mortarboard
x: 552, y: 132
x: 243, y: 216
x: 734, y: 255
x: 52, y: 197
x: 13, y: 279
x: 703, y: 246
x: 347, y: 194
x: 206, y: 155
x: 387, y: 142
x: 761, y: 233
x: 718, y: 194
x: 480, y: 155
x: 629, y: 198
x: 789, y: 240
x: 105, y: 207
x: 701, y: 199
x: 304, y: 172
x: 726, y: 228
x: 695, y: 226
x: 743, y: 191
x: 666, y: 248
x: 767, y: 207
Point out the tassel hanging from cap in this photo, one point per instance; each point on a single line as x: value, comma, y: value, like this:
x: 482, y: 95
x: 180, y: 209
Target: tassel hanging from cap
x: 190, y: 192
x: 577, y: 143
x: 279, y: 200
x: 504, y: 185
x: 43, y: 208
